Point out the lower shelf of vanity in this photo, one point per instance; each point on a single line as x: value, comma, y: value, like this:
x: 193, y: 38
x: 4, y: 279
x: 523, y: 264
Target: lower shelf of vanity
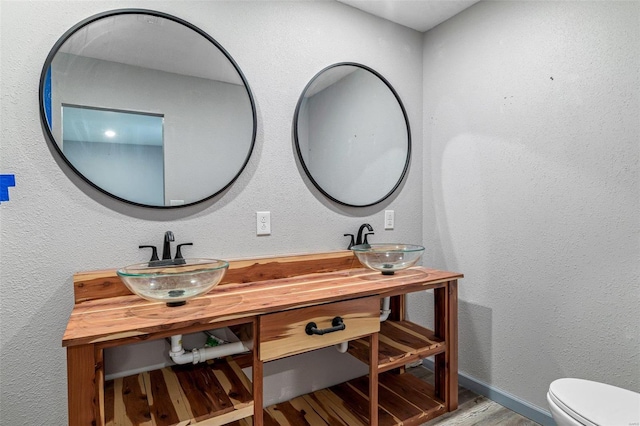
x: 218, y: 392
x: 215, y: 394
x: 402, y: 400
x: 212, y: 393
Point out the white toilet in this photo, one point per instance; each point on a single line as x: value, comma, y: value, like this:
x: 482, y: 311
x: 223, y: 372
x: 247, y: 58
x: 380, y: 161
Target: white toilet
x: 577, y: 402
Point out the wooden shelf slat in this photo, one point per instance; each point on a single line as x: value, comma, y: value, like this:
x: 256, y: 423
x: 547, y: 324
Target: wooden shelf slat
x: 204, y: 393
x: 403, y: 400
x: 401, y: 342
x: 414, y: 391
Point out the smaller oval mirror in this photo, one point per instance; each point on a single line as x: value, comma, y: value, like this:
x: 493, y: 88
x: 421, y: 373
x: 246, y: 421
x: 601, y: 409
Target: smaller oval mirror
x: 352, y: 135
x: 147, y: 108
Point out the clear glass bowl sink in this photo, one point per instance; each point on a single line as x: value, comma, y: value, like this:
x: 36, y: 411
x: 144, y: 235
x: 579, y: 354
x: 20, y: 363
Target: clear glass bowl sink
x: 388, y: 258
x: 175, y: 283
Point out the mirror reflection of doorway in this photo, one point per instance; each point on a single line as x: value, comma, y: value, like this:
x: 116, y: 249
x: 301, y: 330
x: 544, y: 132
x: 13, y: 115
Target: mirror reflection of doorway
x: 119, y: 151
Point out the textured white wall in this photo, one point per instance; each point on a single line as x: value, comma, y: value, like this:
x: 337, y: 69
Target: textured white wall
x: 55, y: 225
x: 531, y: 145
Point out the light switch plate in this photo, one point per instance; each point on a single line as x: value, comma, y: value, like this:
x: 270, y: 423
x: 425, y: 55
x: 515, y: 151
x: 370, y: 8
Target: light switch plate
x: 263, y: 223
x: 389, y: 219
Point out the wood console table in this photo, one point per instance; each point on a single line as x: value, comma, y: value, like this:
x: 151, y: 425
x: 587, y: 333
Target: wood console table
x: 272, y: 298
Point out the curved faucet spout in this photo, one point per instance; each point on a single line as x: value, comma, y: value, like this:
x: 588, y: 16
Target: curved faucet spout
x: 166, y: 248
x: 359, y: 239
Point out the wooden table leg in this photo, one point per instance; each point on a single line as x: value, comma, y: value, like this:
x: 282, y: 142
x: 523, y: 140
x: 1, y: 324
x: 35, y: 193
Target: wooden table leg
x: 257, y: 370
x: 397, y: 306
x: 446, y: 327
x: 373, y: 379
x: 81, y: 386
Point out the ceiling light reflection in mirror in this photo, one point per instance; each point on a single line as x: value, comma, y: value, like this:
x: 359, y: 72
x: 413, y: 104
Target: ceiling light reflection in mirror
x: 352, y: 135
x: 121, y: 152
x: 144, y: 63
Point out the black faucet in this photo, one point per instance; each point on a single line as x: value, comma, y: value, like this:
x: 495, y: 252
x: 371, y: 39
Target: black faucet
x: 166, y: 249
x: 351, y: 243
x: 166, y: 252
x: 362, y: 239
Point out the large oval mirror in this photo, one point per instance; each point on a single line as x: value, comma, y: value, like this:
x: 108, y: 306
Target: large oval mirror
x: 147, y: 108
x: 352, y: 135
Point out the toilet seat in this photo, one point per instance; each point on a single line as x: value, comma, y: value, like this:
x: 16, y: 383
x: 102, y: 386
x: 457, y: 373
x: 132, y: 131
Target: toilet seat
x: 595, y: 404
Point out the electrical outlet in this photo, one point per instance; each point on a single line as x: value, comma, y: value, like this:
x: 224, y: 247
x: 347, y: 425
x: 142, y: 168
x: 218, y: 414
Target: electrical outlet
x: 263, y: 223
x: 389, y: 219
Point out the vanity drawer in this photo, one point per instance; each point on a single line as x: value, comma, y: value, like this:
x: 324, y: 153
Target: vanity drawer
x: 284, y: 333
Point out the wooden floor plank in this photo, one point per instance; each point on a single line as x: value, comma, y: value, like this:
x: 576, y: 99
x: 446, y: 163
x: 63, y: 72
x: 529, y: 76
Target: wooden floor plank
x: 311, y: 416
x: 235, y: 387
x: 415, y: 392
x: 334, y: 404
x: 206, y: 396
x: 162, y: 409
x: 359, y: 404
x: 129, y: 402
x: 109, y: 403
x: 292, y: 413
x: 328, y: 416
x: 119, y: 409
x: 418, y: 392
x: 179, y: 395
x: 396, y: 405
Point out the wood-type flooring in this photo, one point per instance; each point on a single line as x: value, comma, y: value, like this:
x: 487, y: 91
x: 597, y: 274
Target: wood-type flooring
x: 473, y: 409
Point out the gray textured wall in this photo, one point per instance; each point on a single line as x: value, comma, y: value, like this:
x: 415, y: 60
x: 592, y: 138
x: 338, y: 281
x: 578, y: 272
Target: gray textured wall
x: 527, y: 185
x: 532, y: 188
x: 55, y: 225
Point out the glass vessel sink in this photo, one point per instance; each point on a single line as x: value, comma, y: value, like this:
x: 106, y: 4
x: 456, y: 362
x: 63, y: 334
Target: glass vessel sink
x: 175, y: 283
x: 388, y: 258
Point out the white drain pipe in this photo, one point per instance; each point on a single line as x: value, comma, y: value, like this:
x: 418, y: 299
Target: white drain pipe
x: 386, y: 309
x: 342, y: 347
x: 180, y: 356
x: 384, y: 314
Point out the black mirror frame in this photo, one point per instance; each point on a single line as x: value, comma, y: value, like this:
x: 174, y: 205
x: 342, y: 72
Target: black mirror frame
x: 54, y: 50
x: 297, y: 142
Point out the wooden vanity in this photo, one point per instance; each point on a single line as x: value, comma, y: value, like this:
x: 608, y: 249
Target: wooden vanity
x: 270, y: 300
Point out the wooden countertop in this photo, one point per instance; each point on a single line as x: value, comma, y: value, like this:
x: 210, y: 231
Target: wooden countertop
x: 122, y: 316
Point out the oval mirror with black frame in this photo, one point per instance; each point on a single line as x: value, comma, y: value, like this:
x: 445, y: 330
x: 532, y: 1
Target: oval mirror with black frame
x: 352, y: 135
x: 147, y: 108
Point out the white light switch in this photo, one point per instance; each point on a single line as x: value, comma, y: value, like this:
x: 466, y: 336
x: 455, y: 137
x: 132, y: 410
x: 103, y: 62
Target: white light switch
x: 263, y: 223
x: 389, y: 219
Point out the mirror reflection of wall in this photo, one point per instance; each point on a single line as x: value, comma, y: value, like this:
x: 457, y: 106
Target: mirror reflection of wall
x: 352, y: 135
x: 151, y: 63
x: 121, y: 152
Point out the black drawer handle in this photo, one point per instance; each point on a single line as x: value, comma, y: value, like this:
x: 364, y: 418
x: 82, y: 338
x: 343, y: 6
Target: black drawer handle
x: 337, y: 323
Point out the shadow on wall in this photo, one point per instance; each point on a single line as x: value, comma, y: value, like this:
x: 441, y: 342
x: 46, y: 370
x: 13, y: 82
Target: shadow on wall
x: 475, y: 325
x: 475, y: 332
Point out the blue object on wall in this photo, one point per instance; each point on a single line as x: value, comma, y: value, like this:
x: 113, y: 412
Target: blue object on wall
x: 5, y: 182
x: 47, y: 97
